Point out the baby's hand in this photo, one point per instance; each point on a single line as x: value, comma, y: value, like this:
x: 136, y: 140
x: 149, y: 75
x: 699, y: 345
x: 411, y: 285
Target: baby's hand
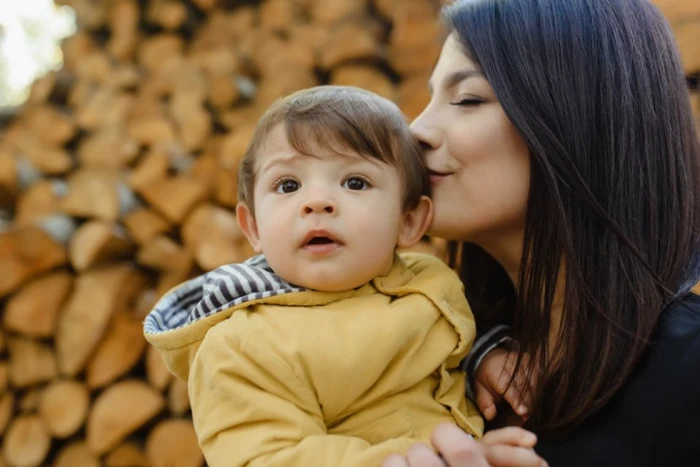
x: 491, y: 384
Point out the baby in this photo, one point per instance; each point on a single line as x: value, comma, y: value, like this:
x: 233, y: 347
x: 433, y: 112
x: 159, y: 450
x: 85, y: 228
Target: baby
x: 328, y: 348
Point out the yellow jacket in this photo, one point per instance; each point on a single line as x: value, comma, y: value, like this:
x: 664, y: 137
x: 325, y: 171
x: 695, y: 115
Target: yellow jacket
x: 283, y: 376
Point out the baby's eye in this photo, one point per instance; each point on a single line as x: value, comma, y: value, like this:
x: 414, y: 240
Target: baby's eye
x: 287, y: 186
x: 356, y: 183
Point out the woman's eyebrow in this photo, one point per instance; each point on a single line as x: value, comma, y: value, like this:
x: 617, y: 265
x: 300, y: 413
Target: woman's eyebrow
x: 457, y: 77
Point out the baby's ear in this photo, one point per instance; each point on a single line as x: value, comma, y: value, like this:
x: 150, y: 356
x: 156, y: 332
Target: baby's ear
x: 246, y: 221
x: 415, y: 223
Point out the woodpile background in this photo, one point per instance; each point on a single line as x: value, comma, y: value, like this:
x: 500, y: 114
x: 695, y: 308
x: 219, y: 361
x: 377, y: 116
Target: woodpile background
x: 116, y: 183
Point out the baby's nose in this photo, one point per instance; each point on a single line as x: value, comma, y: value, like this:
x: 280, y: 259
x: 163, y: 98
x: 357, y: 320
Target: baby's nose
x: 319, y: 205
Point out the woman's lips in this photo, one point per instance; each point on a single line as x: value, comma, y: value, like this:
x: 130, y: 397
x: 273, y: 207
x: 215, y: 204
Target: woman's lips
x: 436, y: 176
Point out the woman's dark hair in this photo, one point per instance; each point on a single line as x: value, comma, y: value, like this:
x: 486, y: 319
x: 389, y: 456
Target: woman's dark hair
x: 597, y: 90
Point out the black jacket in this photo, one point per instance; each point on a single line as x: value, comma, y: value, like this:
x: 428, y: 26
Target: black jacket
x: 655, y: 418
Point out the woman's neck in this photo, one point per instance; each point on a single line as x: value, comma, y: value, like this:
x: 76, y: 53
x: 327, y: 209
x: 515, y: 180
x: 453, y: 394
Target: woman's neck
x: 508, y: 252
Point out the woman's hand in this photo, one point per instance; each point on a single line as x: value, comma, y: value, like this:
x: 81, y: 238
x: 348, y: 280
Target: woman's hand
x: 507, y: 447
x: 491, y: 384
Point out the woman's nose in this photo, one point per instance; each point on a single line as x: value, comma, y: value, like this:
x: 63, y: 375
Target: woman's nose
x: 428, y: 134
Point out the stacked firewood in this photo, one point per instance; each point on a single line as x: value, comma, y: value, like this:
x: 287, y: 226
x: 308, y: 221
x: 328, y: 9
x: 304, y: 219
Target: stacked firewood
x: 117, y: 180
x: 116, y: 183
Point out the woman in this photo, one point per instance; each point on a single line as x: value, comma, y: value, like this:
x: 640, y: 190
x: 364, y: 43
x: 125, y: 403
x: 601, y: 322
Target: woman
x: 565, y: 167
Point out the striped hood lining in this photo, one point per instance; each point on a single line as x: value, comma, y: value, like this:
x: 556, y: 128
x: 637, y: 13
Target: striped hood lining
x: 215, y: 291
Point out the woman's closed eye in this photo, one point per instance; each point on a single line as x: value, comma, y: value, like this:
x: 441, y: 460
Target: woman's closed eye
x: 468, y: 101
x: 356, y: 183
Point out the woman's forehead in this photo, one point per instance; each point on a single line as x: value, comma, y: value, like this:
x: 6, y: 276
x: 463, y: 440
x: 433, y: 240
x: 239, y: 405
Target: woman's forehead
x: 453, y: 65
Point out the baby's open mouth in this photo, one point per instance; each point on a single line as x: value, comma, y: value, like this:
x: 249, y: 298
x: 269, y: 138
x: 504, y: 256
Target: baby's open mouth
x: 320, y: 241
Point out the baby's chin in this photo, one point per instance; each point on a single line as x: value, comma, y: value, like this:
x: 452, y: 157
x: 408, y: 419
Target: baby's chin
x: 328, y: 284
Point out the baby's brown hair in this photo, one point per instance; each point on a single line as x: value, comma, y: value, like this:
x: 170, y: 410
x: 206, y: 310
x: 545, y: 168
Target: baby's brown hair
x: 338, y: 118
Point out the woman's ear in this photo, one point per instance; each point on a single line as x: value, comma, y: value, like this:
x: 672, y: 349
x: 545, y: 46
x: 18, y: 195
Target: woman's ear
x: 415, y: 223
x: 246, y: 221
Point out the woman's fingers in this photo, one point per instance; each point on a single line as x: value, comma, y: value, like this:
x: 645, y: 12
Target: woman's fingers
x: 420, y: 455
x: 511, y: 435
x: 458, y: 448
x: 395, y: 460
x: 513, y: 456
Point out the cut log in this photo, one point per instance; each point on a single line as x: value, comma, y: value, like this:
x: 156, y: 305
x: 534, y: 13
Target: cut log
x: 123, y: 17
x: 126, y: 455
x: 413, y: 96
x: 226, y: 187
x: 63, y: 406
x: 156, y: 50
x: 277, y: 15
x: 97, y: 295
x: 4, y: 377
x: 351, y: 41
x: 93, y: 193
x: 204, y: 4
x: 244, y: 116
x: 415, y: 39
x: 234, y: 145
x: 223, y: 91
x: 29, y: 402
x: 330, y: 13
x: 169, y: 279
x: 31, y: 362
x: 193, y: 121
x: 40, y: 200
x: 178, y: 397
x: 164, y: 254
x: 168, y: 14
x: 7, y: 408
x: 174, y: 197
x: 366, y: 77
x: 9, y: 180
x: 143, y: 225
x: 156, y: 371
x: 118, y: 352
x: 677, y: 10
x: 214, y: 238
x: 24, y: 253
x: 151, y: 131
x: 89, y: 15
x: 26, y: 442
x: 48, y: 160
x: 33, y: 310
x: 42, y: 88
x: 687, y: 34
x: 294, y: 79
x: 173, y: 442
x: 102, y: 107
x: 120, y: 410
x: 98, y: 242
x: 126, y: 76
x: 153, y: 167
x: 76, y: 454
x: 109, y: 147
x: 53, y: 127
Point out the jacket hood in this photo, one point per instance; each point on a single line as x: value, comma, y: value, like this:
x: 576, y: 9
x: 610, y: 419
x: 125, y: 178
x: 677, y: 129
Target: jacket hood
x: 180, y: 319
x: 218, y: 290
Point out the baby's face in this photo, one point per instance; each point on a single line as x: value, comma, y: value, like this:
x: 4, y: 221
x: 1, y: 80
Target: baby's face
x: 327, y: 222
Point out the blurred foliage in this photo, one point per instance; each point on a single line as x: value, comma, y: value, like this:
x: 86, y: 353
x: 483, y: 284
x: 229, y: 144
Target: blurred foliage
x: 30, y: 36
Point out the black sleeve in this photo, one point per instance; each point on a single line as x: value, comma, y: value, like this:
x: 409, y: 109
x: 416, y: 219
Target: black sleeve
x: 678, y: 429
x: 485, y: 341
